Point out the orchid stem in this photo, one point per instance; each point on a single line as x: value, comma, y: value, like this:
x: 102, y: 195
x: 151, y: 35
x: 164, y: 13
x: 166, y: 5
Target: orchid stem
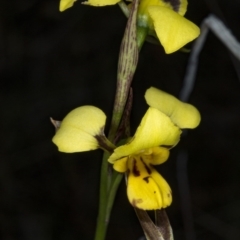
x: 112, y: 194
x: 128, y: 59
x: 101, y: 223
x: 142, y: 33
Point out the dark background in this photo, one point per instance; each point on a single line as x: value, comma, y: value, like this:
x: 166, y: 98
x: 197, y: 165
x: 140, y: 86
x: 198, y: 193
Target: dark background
x: 52, y: 62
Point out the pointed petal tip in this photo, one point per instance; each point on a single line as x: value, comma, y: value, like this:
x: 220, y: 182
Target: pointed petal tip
x: 65, y: 4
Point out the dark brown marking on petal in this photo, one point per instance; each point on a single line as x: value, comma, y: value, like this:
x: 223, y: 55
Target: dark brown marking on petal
x: 146, y: 167
x: 174, y: 3
x: 154, y: 192
x: 146, y: 179
x: 135, y: 202
x: 167, y: 146
x: 136, y: 172
x: 102, y: 142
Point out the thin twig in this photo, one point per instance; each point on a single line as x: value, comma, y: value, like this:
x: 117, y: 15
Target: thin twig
x: 224, y: 34
x: 189, y: 79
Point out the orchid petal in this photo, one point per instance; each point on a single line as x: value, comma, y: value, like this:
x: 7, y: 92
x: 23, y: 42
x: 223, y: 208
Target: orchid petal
x: 179, y: 6
x: 79, y: 129
x: 173, y: 30
x: 164, y: 188
x: 65, y: 4
x: 145, y: 191
x: 155, y: 129
x: 158, y: 156
x: 100, y: 3
x: 182, y: 114
x: 121, y: 165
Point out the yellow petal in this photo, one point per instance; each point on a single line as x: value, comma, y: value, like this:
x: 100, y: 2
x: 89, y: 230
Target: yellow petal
x: 164, y: 188
x: 100, y: 3
x: 155, y: 129
x: 182, y: 114
x: 79, y: 128
x: 143, y: 190
x: 65, y: 4
x: 158, y: 156
x: 121, y: 165
x: 179, y: 6
x: 173, y: 30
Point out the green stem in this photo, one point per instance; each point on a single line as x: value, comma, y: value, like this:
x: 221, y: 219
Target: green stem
x: 105, y: 209
x: 128, y: 58
x: 142, y: 33
x: 112, y: 194
x: 101, y: 223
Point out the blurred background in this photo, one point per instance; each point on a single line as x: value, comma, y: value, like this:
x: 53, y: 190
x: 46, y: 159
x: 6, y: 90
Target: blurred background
x: 52, y: 62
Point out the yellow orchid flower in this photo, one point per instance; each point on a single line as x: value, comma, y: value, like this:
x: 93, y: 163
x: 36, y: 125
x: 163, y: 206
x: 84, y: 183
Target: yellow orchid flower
x: 81, y: 130
x: 158, y: 131
x: 165, y: 17
x: 146, y: 188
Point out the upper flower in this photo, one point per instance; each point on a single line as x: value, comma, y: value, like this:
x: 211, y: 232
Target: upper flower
x: 165, y: 17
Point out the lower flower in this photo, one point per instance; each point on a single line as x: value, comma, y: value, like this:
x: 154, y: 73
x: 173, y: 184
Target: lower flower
x: 159, y: 131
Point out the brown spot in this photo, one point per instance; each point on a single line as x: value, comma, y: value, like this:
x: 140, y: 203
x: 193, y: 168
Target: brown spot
x: 167, y: 146
x: 102, y: 142
x: 146, y: 167
x: 146, y: 179
x: 174, y: 3
x: 136, y: 172
x: 154, y: 192
x: 135, y: 202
